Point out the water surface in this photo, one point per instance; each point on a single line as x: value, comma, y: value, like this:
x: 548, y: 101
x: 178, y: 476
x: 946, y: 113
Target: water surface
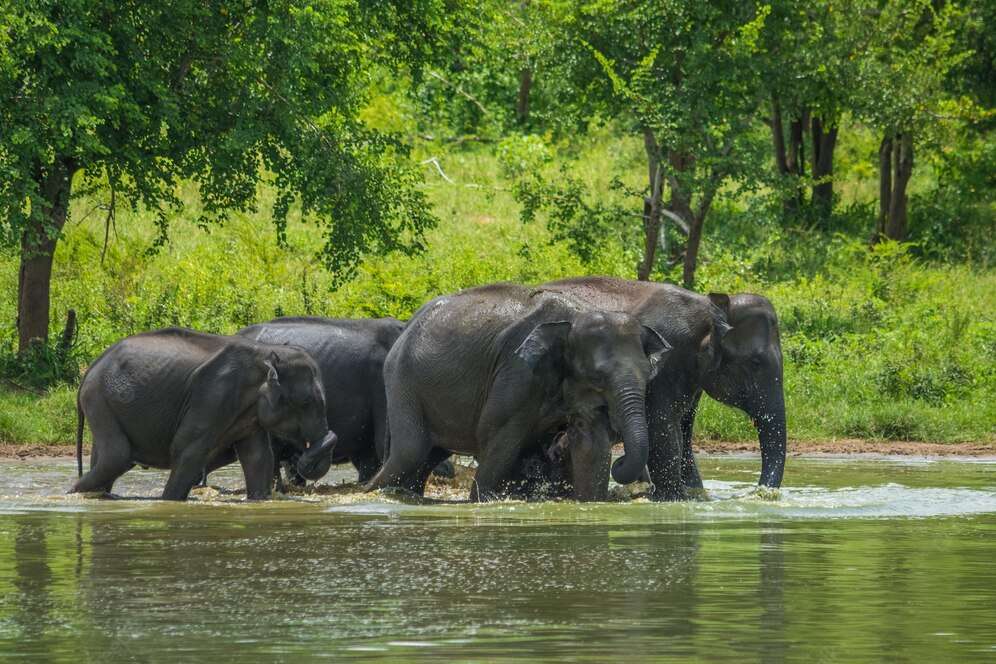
x: 855, y: 560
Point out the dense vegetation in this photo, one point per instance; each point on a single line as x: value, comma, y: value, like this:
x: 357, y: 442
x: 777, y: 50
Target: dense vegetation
x: 563, y: 157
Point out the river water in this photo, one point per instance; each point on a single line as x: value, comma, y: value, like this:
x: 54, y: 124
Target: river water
x: 865, y: 559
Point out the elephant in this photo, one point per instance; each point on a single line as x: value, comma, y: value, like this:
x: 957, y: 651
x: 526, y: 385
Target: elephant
x: 728, y: 347
x: 486, y: 371
x: 350, y: 357
x: 179, y: 399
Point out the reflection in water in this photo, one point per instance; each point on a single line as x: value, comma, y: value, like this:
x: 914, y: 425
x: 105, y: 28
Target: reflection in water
x: 33, y: 578
x: 771, y: 594
x: 734, y: 579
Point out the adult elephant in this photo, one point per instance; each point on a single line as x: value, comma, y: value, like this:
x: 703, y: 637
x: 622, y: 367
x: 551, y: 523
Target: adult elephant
x: 486, y: 371
x: 180, y: 399
x: 727, y: 347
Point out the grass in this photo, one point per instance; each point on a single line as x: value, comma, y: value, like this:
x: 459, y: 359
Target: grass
x: 877, y: 344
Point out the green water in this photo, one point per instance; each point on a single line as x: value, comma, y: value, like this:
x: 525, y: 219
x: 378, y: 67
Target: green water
x: 857, y: 560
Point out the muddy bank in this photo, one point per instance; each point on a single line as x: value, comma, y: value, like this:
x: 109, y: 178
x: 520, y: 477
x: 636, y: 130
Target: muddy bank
x: 856, y: 446
x: 796, y: 448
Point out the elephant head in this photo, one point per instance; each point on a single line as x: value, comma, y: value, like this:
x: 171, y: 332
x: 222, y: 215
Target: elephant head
x: 747, y: 374
x: 605, y: 360
x: 292, y: 407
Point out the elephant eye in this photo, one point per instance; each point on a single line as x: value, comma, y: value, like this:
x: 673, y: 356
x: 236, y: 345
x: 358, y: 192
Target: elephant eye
x: 756, y: 362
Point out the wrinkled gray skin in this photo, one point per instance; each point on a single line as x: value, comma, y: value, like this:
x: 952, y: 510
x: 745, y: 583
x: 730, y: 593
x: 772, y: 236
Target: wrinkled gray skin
x: 486, y: 371
x: 350, y: 356
x: 727, y: 347
x: 180, y: 399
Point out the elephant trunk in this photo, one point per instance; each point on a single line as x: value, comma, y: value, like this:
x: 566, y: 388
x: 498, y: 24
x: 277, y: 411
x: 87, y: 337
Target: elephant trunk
x: 771, y: 434
x: 316, y: 460
x: 630, y: 415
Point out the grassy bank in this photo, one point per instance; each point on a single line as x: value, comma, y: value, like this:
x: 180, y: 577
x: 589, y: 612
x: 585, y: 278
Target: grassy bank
x: 877, y: 344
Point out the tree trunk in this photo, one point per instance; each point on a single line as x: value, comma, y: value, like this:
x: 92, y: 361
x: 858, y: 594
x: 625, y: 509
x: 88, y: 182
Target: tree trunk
x: 680, y: 203
x: 902, y: 164
x: 778, y: 137
x: 795, y: 163
x: 692, y: 252
x: 522, y: 101
x: 651, y: 206
x: 884, y: 186
x: 38, y: 242
x: 824, y: 141
x: 695, y: 232
x: 795, y: 159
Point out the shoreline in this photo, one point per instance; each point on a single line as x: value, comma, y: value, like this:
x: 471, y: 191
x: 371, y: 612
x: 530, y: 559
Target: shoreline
x: 845, y: 446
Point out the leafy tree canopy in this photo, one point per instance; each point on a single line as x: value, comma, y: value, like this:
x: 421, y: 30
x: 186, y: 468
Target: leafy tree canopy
x: 227, y: 93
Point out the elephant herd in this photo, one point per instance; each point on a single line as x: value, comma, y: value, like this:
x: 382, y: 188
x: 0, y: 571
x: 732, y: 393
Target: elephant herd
x: 536, y: 383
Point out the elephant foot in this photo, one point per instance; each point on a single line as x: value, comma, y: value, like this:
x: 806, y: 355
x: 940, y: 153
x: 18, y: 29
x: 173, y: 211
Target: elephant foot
x: 698, y: 494
x: 257, y: 498
x: 403, y: 495
x: 669, y: 495
x: 766, y: 493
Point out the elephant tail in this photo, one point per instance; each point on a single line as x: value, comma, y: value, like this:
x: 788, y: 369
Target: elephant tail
x: 80, y: 417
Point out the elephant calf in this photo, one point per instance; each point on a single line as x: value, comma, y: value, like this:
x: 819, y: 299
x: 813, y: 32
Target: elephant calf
x: 180, y: 399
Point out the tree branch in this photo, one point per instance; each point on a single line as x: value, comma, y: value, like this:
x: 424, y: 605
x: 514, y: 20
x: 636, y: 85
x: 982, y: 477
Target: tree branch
x: 460, y: 91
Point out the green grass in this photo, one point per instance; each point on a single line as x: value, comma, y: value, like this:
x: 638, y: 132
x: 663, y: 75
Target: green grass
x: 877, y: 344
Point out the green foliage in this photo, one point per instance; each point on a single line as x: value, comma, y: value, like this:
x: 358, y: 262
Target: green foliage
x: 955, y: 219
x: 476, y: 93
x: 40, y: 366
x: 880, y: 344
x: 228, y: 96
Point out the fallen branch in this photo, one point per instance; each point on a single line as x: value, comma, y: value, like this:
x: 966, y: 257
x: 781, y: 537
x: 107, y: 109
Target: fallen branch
x: 460, y: 91
x: 435, y: 162
x: 468, y: 185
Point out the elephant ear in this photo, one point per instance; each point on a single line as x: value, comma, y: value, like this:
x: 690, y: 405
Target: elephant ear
x: 272, y: 375
x: 541, y: 341
x: 654, y: 347
x: 710, y: 354
x: 722, y: 301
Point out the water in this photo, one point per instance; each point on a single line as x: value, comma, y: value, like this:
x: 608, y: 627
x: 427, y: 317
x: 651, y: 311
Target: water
x: 858, y: 560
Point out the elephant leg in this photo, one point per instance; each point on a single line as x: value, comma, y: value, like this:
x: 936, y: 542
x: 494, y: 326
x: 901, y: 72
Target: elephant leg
x: 381, y: 430
x: 498, y: 460
x: 415, y: 481
x: 411, y: 444
x: 492, y: 468
x: 366, y: 464
x: 220, y: 460
x: 190, y: 454
x: 256, y: 458
x: 665, y: 460
x: 591, y: 457
x: 285, y: 455
x: 111, y: 456
x: 689, y: 470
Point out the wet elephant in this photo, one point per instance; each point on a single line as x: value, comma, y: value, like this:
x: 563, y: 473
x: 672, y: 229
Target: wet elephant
x: 350, y: 357
x: 486, y: 371
x: 727, y: 347
x: 179, y: 399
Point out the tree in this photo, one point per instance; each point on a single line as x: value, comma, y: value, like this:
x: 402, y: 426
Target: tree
x: 136, y: 96
x: 909, y: 49
x: 488, y: 84
x: 685, y: 77
x: 809, y: 70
